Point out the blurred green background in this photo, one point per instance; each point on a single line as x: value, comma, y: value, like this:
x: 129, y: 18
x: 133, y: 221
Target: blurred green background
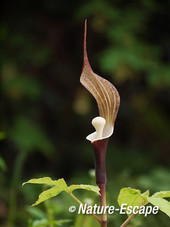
x: 45, y: 112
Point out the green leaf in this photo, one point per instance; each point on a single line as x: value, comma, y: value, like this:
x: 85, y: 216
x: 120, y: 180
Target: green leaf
x: 47, y: 180
x: 162, y: 194
x: 132, y: 197
x: 86, y: 187
x: 59, y: 186
x: 146, y: 193
x: 163, y: 204
x: 48, y: 194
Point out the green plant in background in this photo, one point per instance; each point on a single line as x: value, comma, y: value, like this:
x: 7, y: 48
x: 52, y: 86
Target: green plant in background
x: 131, y: 201
x: 128, y: 52
x: 3, y: 165
x: 27, y: 137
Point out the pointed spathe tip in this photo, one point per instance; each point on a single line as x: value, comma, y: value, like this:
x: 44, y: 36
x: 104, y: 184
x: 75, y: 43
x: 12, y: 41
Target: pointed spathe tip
x: 85, y: 57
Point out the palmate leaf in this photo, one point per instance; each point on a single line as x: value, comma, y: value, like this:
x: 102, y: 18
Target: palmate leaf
x: 58, y: 187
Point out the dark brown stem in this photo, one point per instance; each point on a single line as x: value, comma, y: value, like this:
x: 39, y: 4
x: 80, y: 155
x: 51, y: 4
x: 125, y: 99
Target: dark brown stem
x: 100, y: 147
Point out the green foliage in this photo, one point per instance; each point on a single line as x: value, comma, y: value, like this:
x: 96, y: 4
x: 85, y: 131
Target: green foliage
x: 85, y: 220
x: 128, y: 53
x: 163, y: 204
x: 163, y: 194
x: 134, y: 197
x: 36, y: 212
x: 151, y: 179
x: 22, y: 87
x: 85, y: 187
x: 46, y: 223
x: 59, y: 186
x: 2, y: 135
x: 3, y: 165
x: 157, y: 200
x: 27, y: 136
x: 47, y: 180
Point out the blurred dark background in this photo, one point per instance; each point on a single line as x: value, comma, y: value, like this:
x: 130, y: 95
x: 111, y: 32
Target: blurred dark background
x: 45, y: 112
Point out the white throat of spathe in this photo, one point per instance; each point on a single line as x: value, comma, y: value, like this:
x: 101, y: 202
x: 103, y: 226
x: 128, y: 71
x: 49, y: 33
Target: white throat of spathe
x: 103, y: 130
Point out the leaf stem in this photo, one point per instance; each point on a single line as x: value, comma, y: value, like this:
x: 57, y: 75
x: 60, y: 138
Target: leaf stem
x: 103, y: 203
x: 78, y: 201
x: 127, y: 220
x: 131, y: 216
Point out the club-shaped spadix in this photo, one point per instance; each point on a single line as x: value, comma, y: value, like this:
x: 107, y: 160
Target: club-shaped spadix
x: 98, y: 123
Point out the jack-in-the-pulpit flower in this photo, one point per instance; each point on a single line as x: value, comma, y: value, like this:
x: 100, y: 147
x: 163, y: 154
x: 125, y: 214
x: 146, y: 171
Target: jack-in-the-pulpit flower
x: 108, y: 101
x: 106, y: 95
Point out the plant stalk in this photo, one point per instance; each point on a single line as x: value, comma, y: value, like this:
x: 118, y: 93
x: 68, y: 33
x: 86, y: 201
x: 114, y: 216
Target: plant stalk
x: 100, y: 147
x: 127, y: 220
x: 77, y: 200
x: 131, y: 216
x: 103, y: 203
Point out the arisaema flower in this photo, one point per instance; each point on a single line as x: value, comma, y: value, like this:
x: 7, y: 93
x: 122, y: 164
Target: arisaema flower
x: 108, y: 101
x: 106, y: 95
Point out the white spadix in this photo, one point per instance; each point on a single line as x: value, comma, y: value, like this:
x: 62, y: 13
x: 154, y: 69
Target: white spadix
x: 99, y: 123
x: 103, y: 130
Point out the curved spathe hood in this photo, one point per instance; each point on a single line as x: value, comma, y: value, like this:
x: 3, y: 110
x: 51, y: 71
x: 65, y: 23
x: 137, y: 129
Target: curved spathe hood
x: 106, y: 95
